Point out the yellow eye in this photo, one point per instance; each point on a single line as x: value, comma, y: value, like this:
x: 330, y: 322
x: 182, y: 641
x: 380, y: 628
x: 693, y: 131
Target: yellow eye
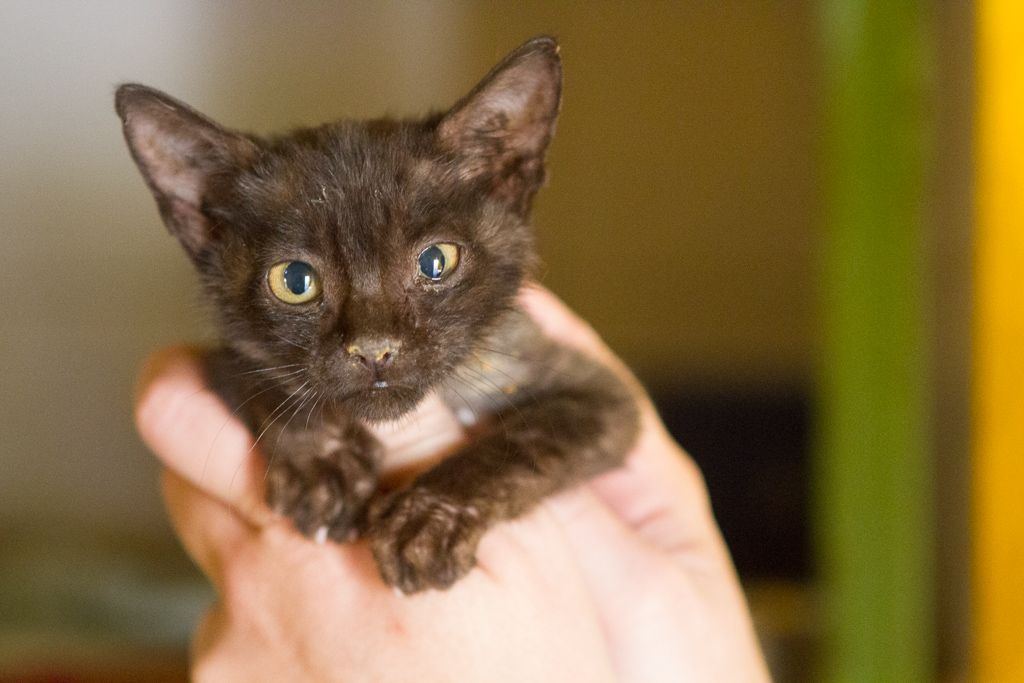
x: 437, y: 261
x: 294, y: 282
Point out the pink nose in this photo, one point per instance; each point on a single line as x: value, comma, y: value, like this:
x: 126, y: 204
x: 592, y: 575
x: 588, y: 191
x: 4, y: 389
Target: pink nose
x: 375, y: 353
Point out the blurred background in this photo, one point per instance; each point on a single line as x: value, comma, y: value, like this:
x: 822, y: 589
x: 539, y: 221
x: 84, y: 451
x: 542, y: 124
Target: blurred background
x: 766, y: 208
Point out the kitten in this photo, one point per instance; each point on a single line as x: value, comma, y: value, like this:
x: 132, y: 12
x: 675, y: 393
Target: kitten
x: 356, y: 266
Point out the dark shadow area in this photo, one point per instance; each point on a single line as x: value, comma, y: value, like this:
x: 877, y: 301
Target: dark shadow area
x: 753, y: 447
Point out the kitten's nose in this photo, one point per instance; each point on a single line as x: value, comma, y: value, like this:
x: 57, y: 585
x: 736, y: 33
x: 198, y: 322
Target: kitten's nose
x: 376, y: 353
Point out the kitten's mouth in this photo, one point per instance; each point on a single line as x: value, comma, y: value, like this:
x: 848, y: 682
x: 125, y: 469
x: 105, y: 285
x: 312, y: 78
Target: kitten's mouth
x: 382, y: 401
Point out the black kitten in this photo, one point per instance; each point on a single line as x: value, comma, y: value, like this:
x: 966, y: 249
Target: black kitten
x: 357, y: 266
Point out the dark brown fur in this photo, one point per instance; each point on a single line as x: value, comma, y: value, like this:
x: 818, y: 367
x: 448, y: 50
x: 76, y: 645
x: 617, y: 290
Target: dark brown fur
x: 359, y: 201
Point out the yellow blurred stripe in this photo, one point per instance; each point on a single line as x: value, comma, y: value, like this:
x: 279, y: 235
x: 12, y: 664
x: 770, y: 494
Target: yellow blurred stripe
x: 999, y: 346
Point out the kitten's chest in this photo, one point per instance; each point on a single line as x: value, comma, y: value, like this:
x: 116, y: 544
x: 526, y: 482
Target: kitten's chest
x: 495, y: 380
x: 497, y: 376
x: 485, y: 386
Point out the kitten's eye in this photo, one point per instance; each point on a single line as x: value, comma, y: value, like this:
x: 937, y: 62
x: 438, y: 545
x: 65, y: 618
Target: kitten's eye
x: 438, y: 260
x: 294, y: 282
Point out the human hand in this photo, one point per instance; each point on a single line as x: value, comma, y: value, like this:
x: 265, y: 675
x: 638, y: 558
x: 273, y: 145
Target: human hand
x: 623, y: 579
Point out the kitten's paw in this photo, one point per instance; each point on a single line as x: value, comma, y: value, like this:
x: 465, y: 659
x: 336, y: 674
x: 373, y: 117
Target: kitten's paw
x: 324, y: 499
x: 422, y: 540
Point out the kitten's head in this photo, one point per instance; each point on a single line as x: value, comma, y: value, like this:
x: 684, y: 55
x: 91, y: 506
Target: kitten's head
x: 372, y: 255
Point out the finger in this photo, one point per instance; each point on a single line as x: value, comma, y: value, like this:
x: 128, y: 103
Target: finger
x: 639, y: 591
x: 225, y: 651
x: 209, y: 530
x: 659, y: 492
x: 559, y: 321
x: 610, y: 555
x: 417, y: 441
x: 188, y: 427
x: 230, y: 647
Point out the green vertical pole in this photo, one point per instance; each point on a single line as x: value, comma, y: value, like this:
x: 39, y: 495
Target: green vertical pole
x: 874, y: 477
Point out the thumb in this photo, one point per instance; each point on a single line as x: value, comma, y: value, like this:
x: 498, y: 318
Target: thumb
x: 193, y: 433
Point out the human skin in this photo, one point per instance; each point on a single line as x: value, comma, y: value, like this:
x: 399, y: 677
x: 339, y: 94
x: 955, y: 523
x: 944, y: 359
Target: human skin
x: 625, y: 578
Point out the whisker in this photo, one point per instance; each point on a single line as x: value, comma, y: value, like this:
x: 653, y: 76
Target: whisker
x: 497, y: 412
x: 323, y: 411
x: 279, y: 367
x: 533, y: 360
x: 284, y: 428
x: 317, y: 396
x: 469, y: 406
x: 500, y: 353
x: 520, y: 390
x: 490, y: 398
x: 278, y: 412
x: 234, y: 413
x: 276, y: 415
x: 260, y: 380
x: 498, y: 390
x: 529, y: 394
x: 490, y: 366
x: 292, y: 342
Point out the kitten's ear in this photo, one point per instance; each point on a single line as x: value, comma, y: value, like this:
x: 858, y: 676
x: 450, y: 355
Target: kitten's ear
x: 502, y: 128
x: 180, y: 153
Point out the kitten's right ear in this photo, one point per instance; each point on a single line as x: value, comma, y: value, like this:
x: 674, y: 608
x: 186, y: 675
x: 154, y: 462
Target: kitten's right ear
x: 502, y: 128
x: 179, y: 152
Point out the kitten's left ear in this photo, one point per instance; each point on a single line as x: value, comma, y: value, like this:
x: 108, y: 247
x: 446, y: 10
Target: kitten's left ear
x: 500, y: 131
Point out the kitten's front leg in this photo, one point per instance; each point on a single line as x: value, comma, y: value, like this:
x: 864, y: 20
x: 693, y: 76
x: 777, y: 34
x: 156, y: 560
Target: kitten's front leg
x: 322, y: 479
x: 569, y: 429
x: 321, y: 462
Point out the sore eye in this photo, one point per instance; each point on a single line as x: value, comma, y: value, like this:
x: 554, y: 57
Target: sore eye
x: 437, y: 261
x: 294, y: 282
